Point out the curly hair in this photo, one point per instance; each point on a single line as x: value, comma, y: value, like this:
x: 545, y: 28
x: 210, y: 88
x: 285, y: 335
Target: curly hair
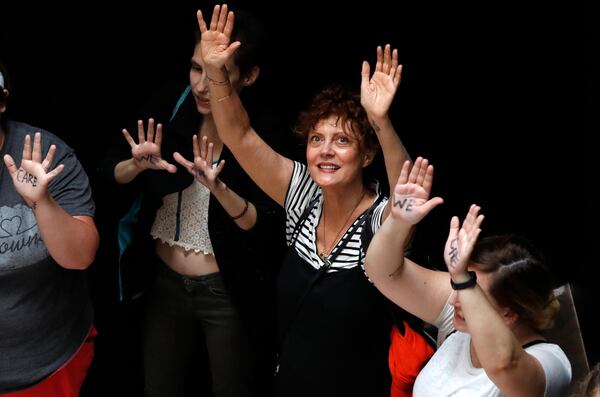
x: 337, y: 101
x: 519, y: 281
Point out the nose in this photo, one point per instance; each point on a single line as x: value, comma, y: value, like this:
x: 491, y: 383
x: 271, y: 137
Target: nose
x: 201, y: 83
x: 327, y: 149
x: 454, y: 299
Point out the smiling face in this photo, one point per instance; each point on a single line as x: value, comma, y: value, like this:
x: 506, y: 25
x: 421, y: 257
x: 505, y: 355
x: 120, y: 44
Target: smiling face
x: 199, y: 80
x: 335, y: 155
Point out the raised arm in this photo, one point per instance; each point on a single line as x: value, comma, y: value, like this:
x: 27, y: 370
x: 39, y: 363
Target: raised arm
x: 376, y: 94
x: 269, y: 170
x: 418, y: 290
x: 241, y: 211
x: 509, y: 366
x: 72, y: 241
x: 146, y: 154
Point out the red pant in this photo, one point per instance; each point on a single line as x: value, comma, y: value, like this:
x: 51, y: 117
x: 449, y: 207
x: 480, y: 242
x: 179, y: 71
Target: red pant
x: 408, y: 355
x: 67, y: 380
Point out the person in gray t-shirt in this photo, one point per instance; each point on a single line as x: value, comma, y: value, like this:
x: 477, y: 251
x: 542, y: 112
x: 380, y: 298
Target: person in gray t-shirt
x: 47, y: 237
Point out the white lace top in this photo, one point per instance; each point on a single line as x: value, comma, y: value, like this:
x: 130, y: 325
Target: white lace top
x: 185, y: 223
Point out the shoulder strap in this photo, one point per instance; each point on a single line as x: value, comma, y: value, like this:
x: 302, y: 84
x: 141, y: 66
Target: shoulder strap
x: 534, y: 342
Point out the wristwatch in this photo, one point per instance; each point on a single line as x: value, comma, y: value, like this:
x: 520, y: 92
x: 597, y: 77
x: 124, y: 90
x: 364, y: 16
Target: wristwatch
x: 470, y: 283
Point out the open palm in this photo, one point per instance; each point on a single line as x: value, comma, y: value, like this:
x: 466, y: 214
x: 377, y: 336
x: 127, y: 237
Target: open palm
x: 147, y: 153
x: 215, y: 44
x: 461, y: 241
x: 32, y: 177
x: 201, y: 168
x: 377, y: 92
x: 410, y: 201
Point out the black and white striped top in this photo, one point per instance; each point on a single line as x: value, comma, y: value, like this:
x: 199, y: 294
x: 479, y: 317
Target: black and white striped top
x: 301, y: 192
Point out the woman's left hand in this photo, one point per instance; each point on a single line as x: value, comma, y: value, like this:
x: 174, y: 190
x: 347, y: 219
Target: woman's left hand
x: 378, y: 91
x: 410, y: 198
x: 460, y: 243
x: 202, y: 168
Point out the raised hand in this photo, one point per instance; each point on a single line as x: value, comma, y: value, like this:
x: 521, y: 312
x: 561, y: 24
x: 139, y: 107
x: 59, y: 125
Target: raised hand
x: 146, y: 153
x: 410, y: 201
x: 31, y: 178
x: 377, y: 92
x: 460, y: 243
x: 215, y: 43
x: 202, y: 168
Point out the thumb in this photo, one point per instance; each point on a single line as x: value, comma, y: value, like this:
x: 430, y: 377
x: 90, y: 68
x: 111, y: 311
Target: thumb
x: 54, y: 173
x: 432, y: 203
x: 232, y: 48
x: 10, y: 164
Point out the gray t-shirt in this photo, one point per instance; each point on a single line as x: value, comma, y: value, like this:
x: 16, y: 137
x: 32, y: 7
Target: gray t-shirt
x: 45, y: 310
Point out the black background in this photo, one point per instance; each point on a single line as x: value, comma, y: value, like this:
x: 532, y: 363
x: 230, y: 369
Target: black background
x: 496, y: 95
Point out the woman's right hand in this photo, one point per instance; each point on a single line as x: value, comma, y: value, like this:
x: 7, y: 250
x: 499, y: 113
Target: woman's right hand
x: 377, y: 91
x: 146, y: 153
x: 202, y: 167
x: 410, y: 201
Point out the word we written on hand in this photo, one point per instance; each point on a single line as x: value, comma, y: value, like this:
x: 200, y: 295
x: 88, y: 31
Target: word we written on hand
x: 408, y: 202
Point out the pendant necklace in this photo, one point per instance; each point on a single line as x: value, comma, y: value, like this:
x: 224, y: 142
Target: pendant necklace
x: 324, y: 255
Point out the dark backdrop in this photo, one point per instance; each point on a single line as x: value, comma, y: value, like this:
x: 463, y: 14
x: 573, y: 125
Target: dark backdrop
x: 494, y: 94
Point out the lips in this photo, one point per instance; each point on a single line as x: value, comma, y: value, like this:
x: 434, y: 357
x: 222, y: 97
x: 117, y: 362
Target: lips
x: 328, y: 167
x: 458, y: 316
x: 203, y: 102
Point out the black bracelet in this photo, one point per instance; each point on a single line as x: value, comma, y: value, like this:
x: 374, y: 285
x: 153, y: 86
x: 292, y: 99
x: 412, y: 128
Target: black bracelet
x: 467, y: 284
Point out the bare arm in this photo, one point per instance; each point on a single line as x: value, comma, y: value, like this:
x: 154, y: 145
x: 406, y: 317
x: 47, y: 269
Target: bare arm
x: 71, y: 241
x: 377, y: 94
x: 267, y: 168
x: 509, y: 366
x: 418, y: 290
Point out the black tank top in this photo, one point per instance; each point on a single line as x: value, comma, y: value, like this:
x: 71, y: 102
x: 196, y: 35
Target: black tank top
x: 336, y: 342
